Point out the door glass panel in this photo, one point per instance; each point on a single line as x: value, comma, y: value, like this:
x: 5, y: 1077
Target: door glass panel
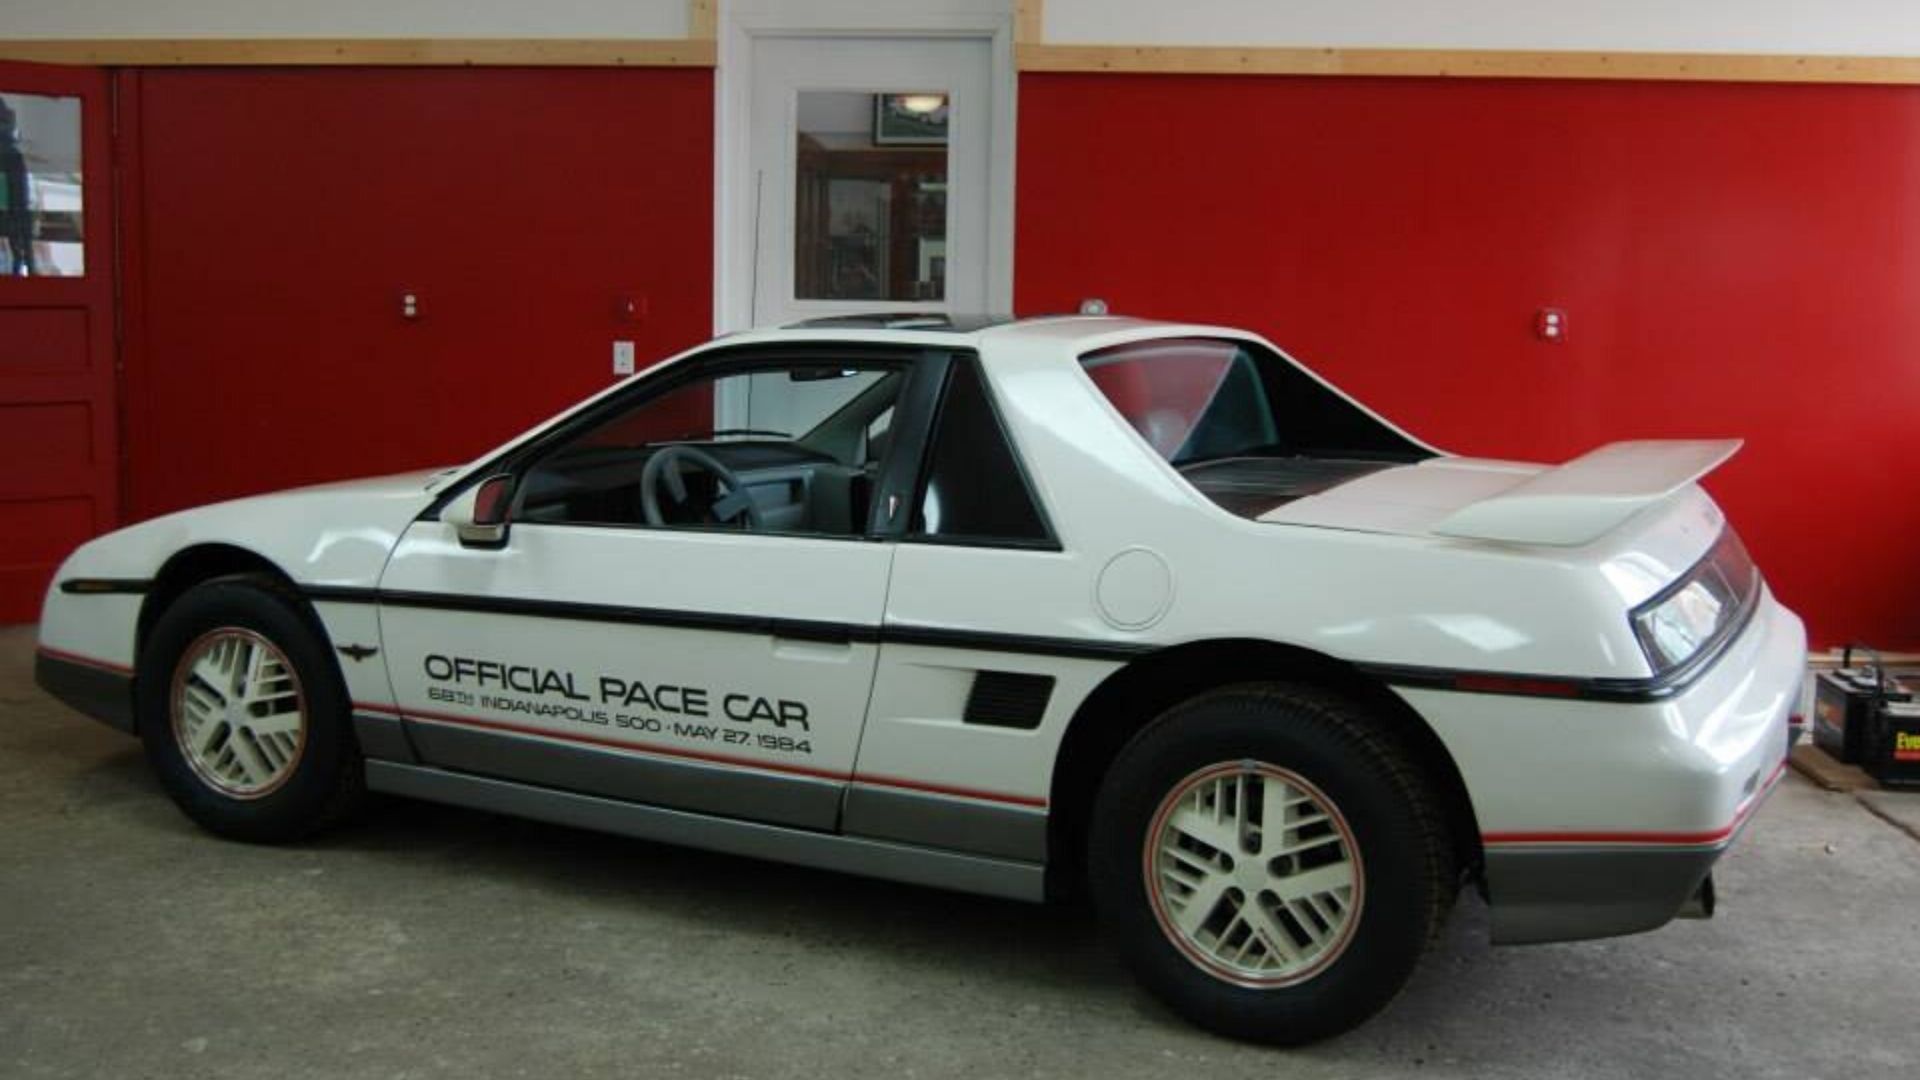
x: 870, y: 216
x: 40, y: 186
x: 785, y: 449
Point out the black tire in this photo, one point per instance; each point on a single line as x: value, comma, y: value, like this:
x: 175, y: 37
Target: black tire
x: 1406, y: 876
x: 326, y: 780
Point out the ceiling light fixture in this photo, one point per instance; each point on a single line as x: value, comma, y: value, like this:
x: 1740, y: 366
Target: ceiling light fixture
x: 921, y: 104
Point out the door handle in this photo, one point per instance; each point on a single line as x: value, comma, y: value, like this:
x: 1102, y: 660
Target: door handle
x: 821, y: 633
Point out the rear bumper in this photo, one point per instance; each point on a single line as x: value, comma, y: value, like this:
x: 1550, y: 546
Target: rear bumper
x: 1573, y: 892
x: 1602, y: 818
x: 99, y: 690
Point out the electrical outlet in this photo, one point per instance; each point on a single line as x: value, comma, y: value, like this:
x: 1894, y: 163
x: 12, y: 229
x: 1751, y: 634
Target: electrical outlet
x: 623, y: 358
x: 1550, y: 325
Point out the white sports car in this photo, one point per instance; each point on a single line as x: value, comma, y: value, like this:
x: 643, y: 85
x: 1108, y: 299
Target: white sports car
x: 1003, y: 607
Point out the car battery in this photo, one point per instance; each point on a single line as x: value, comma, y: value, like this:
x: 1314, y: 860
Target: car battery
x: 1893, y: 752
x: 1845, y: 701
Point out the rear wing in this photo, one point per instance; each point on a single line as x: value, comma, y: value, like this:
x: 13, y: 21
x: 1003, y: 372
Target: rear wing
x: 1589, y: 496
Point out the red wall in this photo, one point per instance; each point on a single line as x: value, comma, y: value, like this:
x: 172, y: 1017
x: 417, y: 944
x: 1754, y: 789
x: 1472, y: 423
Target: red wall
x: 1734, y: 260
x: 278, y: 215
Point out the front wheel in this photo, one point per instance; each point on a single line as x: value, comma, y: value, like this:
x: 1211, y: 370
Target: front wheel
x: 243, y: 714
x: 1270, y: 863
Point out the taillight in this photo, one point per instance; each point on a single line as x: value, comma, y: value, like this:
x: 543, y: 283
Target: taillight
x: 1681, y: 620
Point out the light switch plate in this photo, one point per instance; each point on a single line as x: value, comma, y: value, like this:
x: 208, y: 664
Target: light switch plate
x: 623, y: 358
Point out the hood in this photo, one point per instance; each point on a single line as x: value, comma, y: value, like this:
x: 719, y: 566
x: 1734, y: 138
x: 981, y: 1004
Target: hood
x: 417, y: 482
x: 328, y: 534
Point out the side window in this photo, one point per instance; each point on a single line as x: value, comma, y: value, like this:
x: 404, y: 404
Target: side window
x: 775, y: 448
x: 973, y: 489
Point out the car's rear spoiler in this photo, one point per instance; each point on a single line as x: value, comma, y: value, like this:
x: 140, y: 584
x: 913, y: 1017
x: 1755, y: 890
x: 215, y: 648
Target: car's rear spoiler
x: 1589, y: 496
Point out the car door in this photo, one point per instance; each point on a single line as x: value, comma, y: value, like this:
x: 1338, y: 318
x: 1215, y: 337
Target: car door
x: 990, y: 641
x: 691, y: 655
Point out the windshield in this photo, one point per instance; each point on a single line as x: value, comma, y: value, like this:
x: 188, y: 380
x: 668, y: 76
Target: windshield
x: 1202, y: 399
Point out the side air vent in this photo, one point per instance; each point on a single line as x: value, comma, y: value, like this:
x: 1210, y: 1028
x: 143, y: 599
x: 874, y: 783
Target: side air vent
x: 1008, y: 699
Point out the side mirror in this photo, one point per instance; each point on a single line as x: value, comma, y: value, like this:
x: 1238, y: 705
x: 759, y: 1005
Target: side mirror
x: 479, y: 516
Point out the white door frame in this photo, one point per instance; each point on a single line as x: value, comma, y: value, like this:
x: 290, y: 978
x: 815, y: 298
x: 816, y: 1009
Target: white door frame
x: 743, y: 20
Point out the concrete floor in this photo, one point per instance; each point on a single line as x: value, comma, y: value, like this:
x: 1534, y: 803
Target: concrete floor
x: 437, y: 942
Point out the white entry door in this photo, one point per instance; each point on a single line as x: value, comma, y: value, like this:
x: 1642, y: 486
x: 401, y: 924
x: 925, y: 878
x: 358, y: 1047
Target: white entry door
x: 871, y: 181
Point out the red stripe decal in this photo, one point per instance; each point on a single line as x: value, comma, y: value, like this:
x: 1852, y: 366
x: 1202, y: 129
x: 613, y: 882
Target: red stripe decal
x: 1678, y: 839
x: 697, y: 755
x: 75, y: 658
x: 945, y: 789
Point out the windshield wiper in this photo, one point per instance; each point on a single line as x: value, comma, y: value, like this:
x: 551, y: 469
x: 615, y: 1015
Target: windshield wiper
x: 751, y: 431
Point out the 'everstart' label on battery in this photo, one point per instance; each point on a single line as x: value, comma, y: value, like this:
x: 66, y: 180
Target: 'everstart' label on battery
x: 1906, y: 747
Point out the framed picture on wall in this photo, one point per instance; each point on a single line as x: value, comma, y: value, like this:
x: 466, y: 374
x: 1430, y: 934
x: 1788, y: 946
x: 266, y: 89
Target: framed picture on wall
x: 911, y: 119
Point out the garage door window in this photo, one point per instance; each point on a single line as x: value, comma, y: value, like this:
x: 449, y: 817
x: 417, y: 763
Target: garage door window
x: 40, y: 222
x: 870, y: 212
x: 975, y: 491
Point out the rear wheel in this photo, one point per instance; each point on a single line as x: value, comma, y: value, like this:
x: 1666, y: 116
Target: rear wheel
x: 1270, y: 863
x: 243, y: 714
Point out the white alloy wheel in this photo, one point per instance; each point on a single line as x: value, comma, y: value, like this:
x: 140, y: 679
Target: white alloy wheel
x: 1253, y: 874
x: 238, y: 712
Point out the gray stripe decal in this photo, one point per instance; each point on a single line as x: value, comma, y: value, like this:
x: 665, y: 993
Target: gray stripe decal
x: 941, y: 821
x: 874, y: 858
x: 804, y: 801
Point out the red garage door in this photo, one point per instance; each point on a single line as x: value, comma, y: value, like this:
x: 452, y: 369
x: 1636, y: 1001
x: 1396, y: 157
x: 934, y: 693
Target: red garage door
x: 276, y: 218
x: 58, y: 446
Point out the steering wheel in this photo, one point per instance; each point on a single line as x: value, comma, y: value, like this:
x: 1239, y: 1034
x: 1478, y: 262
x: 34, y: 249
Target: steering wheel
x: 664, y: 467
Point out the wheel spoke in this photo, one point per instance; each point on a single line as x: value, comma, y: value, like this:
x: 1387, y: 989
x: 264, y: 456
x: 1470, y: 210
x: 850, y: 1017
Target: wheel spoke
x: 1193, y: 912
x: 254, y: 766
x: 1201, y: 819
x: 253, y: 660
x: 213, y: 675
x: 1327, y: 906
x: 202, y: 700
x: 1322, y: 879
x: 1277, y: 941
x: 276, y: 723
x: 1307, y: 844
x: 1250, y: 800
x: 211, y: 733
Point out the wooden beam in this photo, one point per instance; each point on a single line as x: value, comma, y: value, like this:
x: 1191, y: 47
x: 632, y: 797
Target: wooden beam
x: 1468, y: 63
x: 1029, y: 22
x: 703, y: 19
x: 701, y: 51
x: 506, y: 52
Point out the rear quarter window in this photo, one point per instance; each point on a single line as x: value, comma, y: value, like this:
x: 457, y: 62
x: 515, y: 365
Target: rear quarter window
x: 1199, y: 399
x: 974, y: 489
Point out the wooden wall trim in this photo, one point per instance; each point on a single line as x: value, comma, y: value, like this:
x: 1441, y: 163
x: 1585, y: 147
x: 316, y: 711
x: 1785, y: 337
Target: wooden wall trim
x: 700, y: 49
x: 506, y: 52
x: 703, y: 19
x: 1467, y: 63
x: 1029, y: 22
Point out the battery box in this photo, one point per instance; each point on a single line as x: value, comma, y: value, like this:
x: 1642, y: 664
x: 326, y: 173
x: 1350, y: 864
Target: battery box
x: 1845, y: 702
x: 1893, y: 750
